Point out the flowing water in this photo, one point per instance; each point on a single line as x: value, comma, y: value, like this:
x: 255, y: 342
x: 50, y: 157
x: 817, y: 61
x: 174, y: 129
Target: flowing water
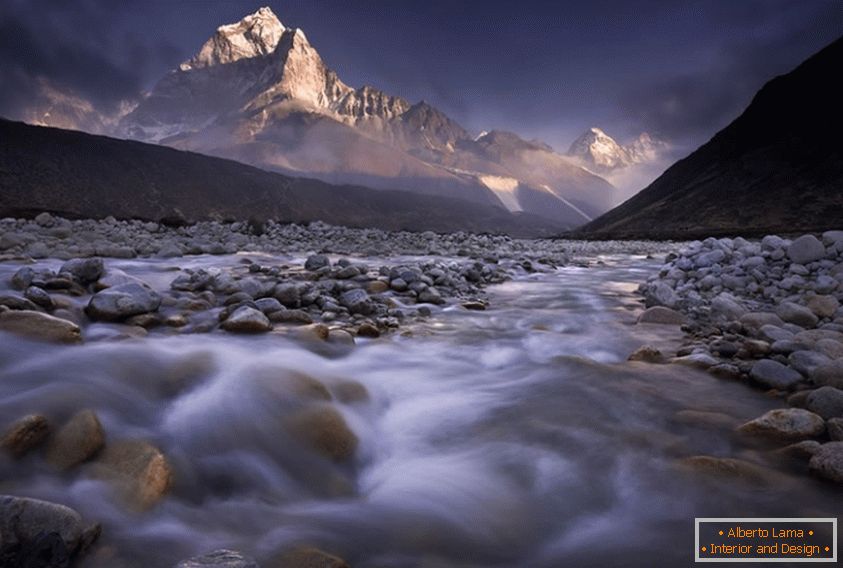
x: 517, y: 436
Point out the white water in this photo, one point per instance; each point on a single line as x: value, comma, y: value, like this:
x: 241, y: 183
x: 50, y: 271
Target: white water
x: 511, y: 437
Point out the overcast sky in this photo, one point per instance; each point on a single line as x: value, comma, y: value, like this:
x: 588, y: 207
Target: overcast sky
x: 547, y: 70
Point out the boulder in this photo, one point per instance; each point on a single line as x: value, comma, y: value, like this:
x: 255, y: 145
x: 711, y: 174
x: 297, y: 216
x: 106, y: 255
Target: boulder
x: 660, y: 294
x: 222, y: 558
x: 827, y: 462
x: 785, y: 424
x: 805, y: 249
x: 661, y: 315
x: 325, y: 430
x: 83, y: 270
x: 246, y: 319
x: 40, y: 326
x: 826, y: 402
x: 122, y: 301
x: 774, y: 375
x: 357, y: 301
x: 796, y: 314
x: 316, y: 261
x: 138, y: 470
x: 78, y: 440
x: 25, y: 434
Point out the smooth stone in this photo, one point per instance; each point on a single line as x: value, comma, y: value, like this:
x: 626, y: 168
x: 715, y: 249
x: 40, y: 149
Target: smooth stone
x: 823, y: 306
x: 26, y: 434
x: 755, y: 320
x: 40, y: 326
x: 696, y: 360
x: 77, y: 441
x: 316, y: 261
x: 725, y: 371
x: 806, y: 362
x: 826, y: 401
x: 122, y: 301
x: 726, y: 307
x: 661, y: 315
x: 40, y: 297
x: 827, y: 462
x: 357, y: 301
x: 368, y: 330
x: 731, y: 469
x: 246, y: 319
x: 84, y: 270
x: 835, y: 429
x: 269, y: 305
x: 803, y: 450
x: 291, y: 316
x: 772, y: 333
x: 773, y: 374
x: 806, y: 249
x: 340, y: 337
x: 325, y: 430
x: 830, y: 348
x: 138, y: 470
x: 350, y: 392
x: 377, y: 287
x: 830, y: 374
x: 222, y: 558
x: 796, y: 314
x: 17, y: 303
x: 785, y: 424
x: 317, y: 332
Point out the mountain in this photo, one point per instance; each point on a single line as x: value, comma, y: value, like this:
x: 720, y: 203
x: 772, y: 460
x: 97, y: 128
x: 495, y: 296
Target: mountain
x: 599, y: 152
x: 778, y: 167
x: 259, y: 92
x: 75, y: 174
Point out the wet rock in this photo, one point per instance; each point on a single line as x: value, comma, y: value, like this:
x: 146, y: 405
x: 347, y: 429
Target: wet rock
x: 325, y: 430
x: 377, y: 287
x: 647, y: 354
x: 269, y: 305
x: 122, y: 301
x: 696, y: 360
x: 826, y: 401
x: 796, y: 314
x: 308, y: 557
x: 827, y: 462
x: 83, y: 270
x: 340, y: 337
x: 78, y: 440
x: 806, y: 361
x: 317, y: 332
x: 351, y: 392
x: 835, y: 429
x: 661, y: 315
x: 830, y: 348
x: 316, y: 261
x: 830, y: 374
x: 246, y: 319
x: 288, y: 294
x: 731, y: 469
x: 138, y: 470
x: 357, y: 301
x: 755, y: 320
x: 222, y: 558
x: 42, y: 533
x: 26, y: 434
x: 39, y: 297
x: 368, y: 330
x: 40, y: 326
x: 726, y: 307
x: 17, y: 303
x: 803, y: 450
x: 291, y: 316
x: 773, y: 374
x: 823, y: 306
x: 474, y: 305
x: 725, y: 371
x: 785, y: 424
x: 705, y: 419
x: 23, y: 278
x: 805, y: 249
x: 430, y: 296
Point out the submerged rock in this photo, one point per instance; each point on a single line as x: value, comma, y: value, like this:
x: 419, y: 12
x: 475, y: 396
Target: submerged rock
x: 326, y: 431
x: 122, y: 301
x: 309, y: 557
x: 222, y: 558
x: 661, y: 315
x: 26, y: 434
x: 40, y: 326
x: 78, y: 440
x: 139, y: 471
x: 246, y: 319
x: 785, y: 424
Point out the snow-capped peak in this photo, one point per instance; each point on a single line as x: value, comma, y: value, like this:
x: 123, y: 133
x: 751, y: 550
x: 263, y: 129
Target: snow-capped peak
x: 601, y: 152
x: 255, y: 35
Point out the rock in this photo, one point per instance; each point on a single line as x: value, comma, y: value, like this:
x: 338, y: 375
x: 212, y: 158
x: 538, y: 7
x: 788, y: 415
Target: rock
x: 661, y: 294
x: 138, y: 470
x: 474, y: 305
x: 36, y: 325
x: 398, y: 284
x: 246, y: 319
x: 800, y: 450
x: 826, y: 401
x: 828, y: 462
x: 27, y: 524
x: 806, y: 361
x: 39, y: 297
x: 84, y: 270
x: 661, y: 315
x: 291, y: 316
x: 351, y: 392
x: 726, y: 307
x: 696, y: 360
x: 340, y: 337
x: 805, y: 249
x: 314, y: 332
x: 316, y: 261
x: 731, y: 469
x: 377, y: 287
x: 17, y: 303
x: 785, y: 424
x: 78, y: 440
x: 357, y: 301
x: 222, y: 558
x: 307, y: 557
x: 705, y: 419
x: 430, y: 296
x: 773, y: 374
x: 269, y: 305
x: 23, y: 278
x: 830, y: 348
x: 288, y: 294
x: 347, y: 273
x: 25, y: 434
x: 122, y: 301
x: 823, y: 306
x: 756, y: 347
x: 368, y: 330
x: 755, y: 320
x: 835, y: 429
x: 325, y: 430
x: 169, y: 250
x: 725, y: 371
x: 830, y: 374
x: 796, y: 314
x: 647, y: 354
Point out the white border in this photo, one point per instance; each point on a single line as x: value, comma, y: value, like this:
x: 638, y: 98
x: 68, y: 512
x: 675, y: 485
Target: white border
x: 788, y: 520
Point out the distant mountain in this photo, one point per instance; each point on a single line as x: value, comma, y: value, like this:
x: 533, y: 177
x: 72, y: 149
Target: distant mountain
x: 777, y: 168
x: 599, y: 152
x: 259, y: 92
x: 81, y: 175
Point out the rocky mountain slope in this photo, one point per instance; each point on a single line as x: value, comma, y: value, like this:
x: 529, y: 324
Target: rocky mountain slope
x: 81, y: 175
x: 778, y: 167
x: 259, y: 92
